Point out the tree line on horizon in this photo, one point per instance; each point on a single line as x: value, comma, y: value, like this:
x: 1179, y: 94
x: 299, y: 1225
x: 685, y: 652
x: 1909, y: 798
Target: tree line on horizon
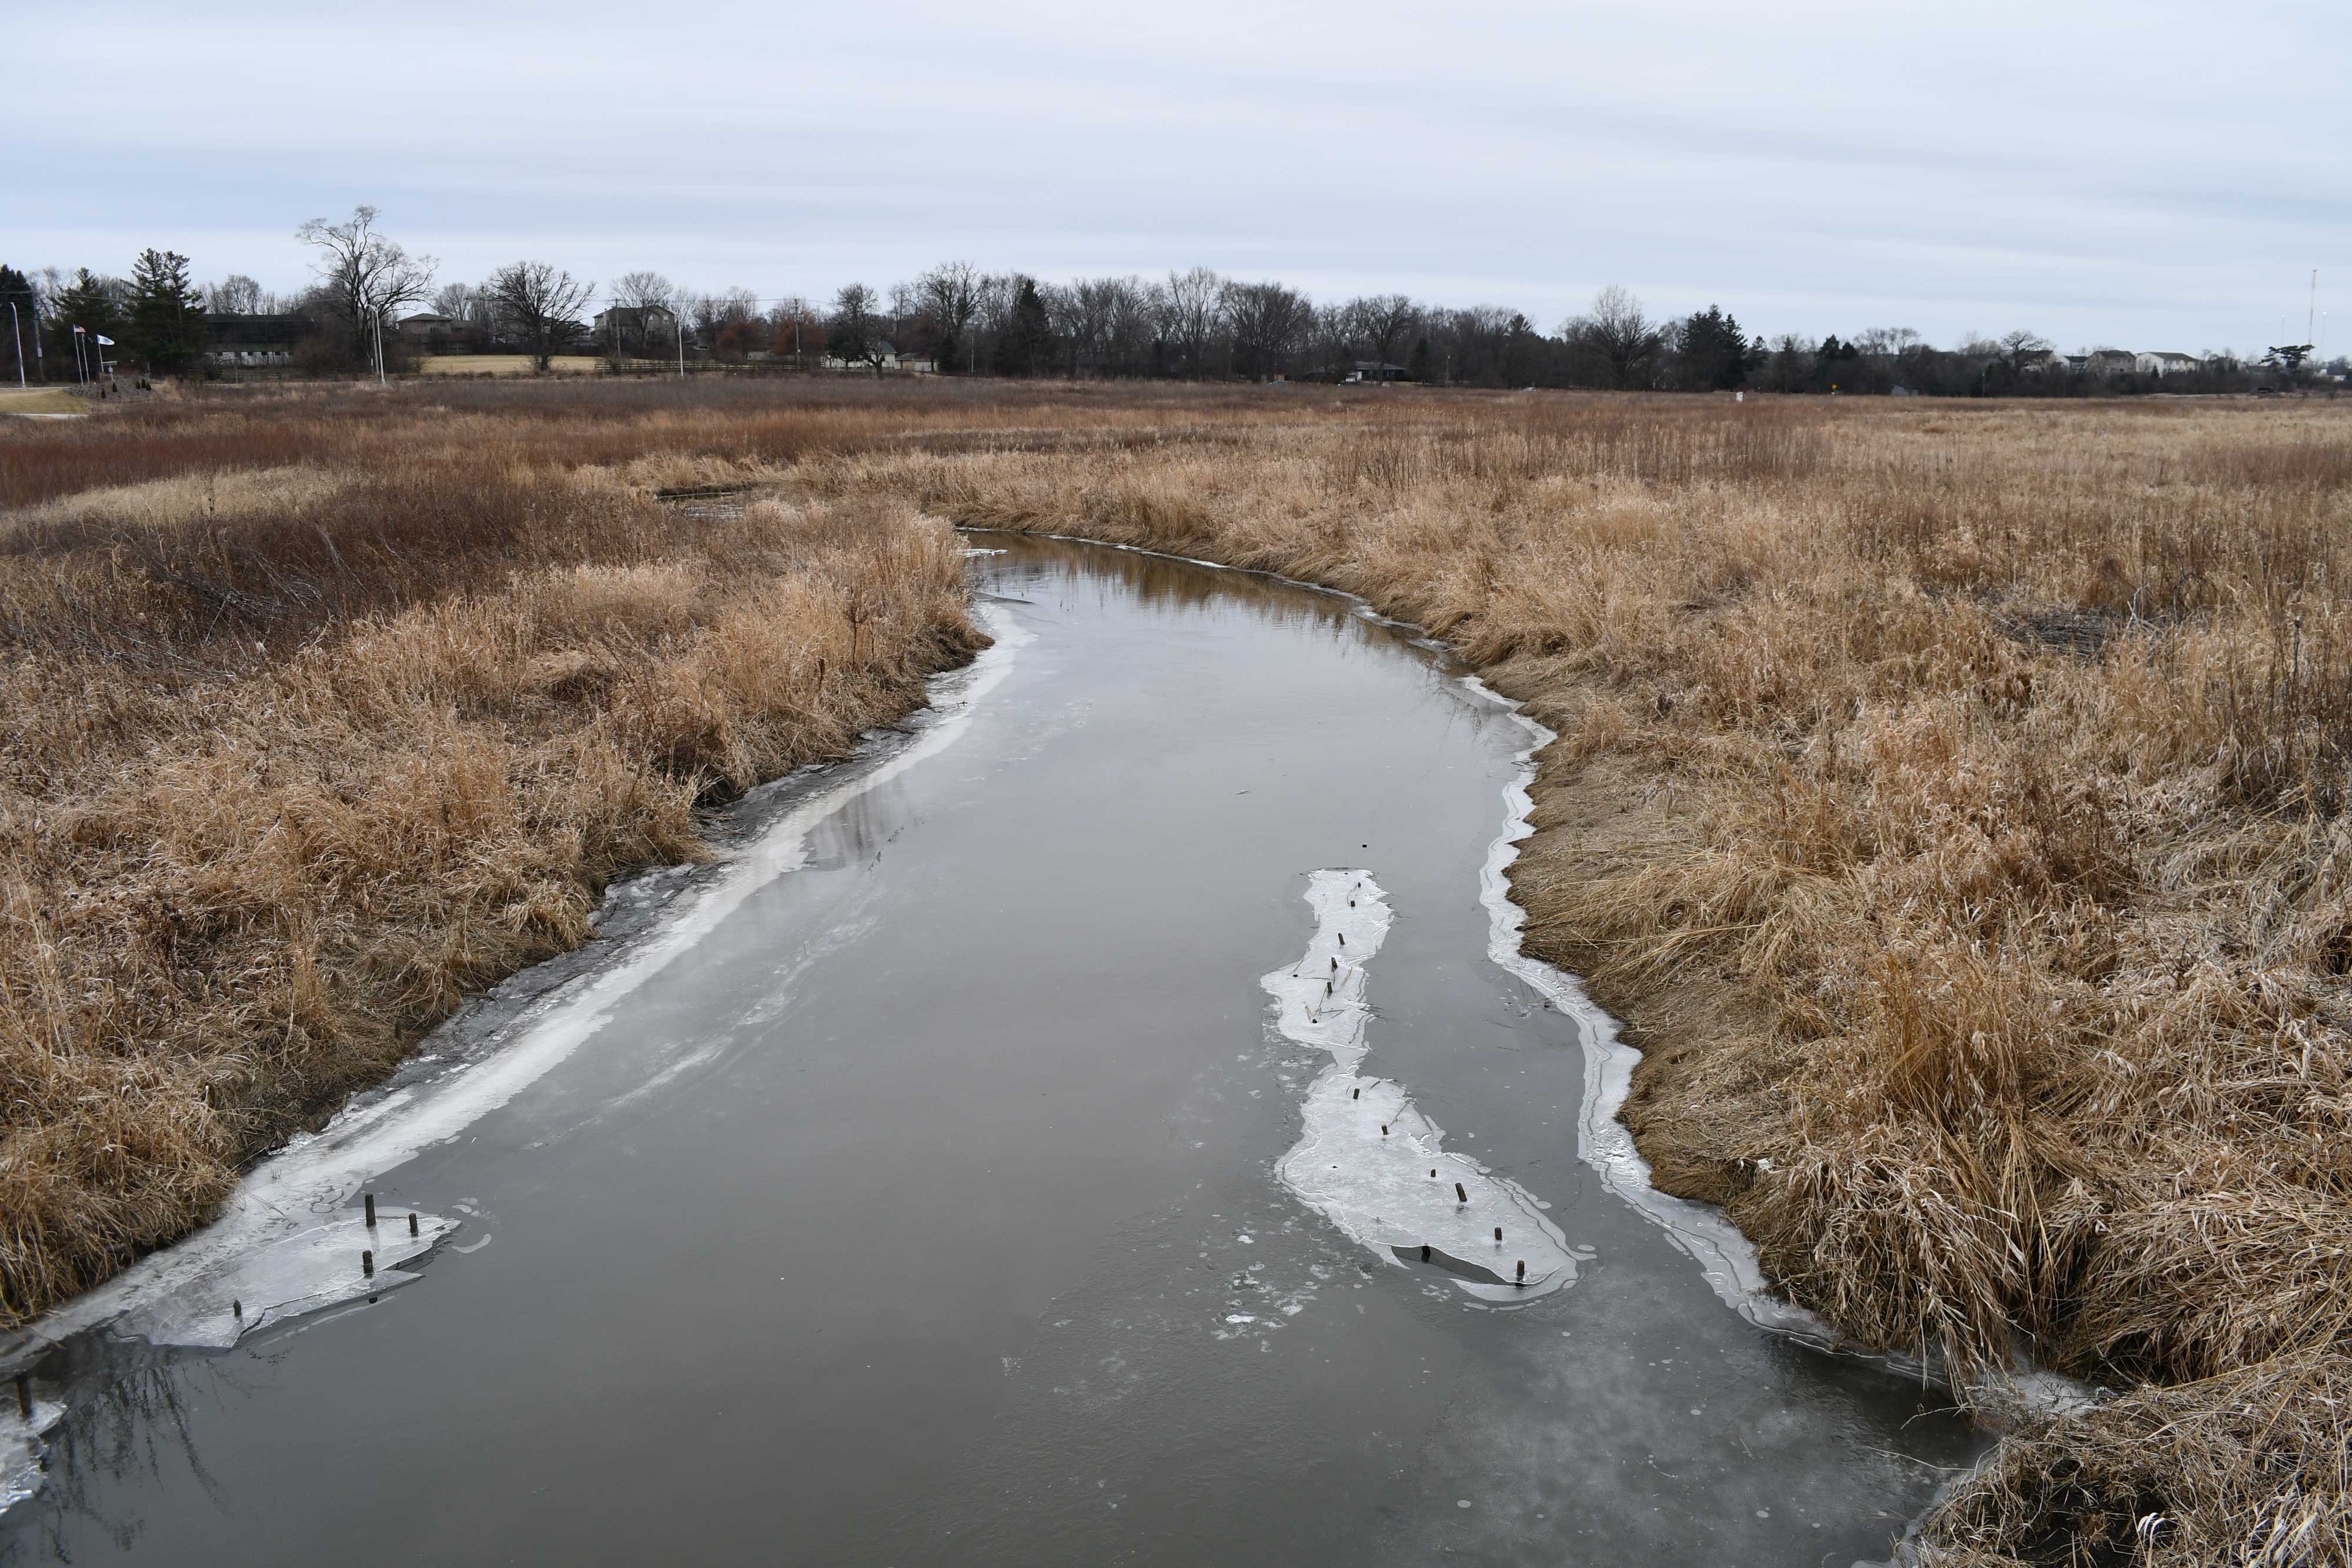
x: 1194, y: 324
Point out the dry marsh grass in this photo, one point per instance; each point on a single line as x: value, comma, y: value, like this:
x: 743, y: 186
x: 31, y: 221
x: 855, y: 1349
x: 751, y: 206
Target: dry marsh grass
x: 1953, y: 800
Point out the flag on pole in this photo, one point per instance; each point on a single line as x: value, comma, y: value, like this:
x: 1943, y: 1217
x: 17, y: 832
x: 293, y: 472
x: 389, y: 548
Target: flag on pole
x: 81, y: 328
x: 103, y: 339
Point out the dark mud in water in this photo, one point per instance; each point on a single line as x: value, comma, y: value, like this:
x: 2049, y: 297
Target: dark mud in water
x: 924, y: 1210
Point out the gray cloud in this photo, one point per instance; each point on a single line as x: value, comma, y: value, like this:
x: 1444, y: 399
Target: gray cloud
x: 2156, y: 173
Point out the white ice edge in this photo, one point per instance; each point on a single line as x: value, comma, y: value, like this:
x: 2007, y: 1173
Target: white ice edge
x: 287, y: 1241
x: 1726, y: 1259
x: 1367, y: 1158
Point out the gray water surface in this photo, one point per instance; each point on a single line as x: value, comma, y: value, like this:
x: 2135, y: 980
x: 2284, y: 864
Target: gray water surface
x: 913, y: 1214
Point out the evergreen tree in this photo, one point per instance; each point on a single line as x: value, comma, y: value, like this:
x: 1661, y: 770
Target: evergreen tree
x: 1417, y: 365
x: 21, y: 355
x: 166, y: 330
x: 1735, y: 360
x: 1026, y: 344
x: 88, y: 302
x: 1714, y: 353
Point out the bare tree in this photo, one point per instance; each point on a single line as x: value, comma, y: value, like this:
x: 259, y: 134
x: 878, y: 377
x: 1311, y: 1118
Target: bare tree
x: 1194, y: 305
x: 1887, y: 342
x: 235, y: 295
x: 1335, y: 338
x: 795, y: 327
x: 644, y: 291
x: 1381, y: 322
x: 2021, y: 348
x: 950, y: 294
x: 1269, y: 324
x: 541, y: 305
x: 1483, y: 344
x: 363, y: 276
x: 1618, y: 336
x: 1134, y: 316
x: 726, y: 323
x: 854, y: 334
x: 1085, y: 315
x: 1000, y: 292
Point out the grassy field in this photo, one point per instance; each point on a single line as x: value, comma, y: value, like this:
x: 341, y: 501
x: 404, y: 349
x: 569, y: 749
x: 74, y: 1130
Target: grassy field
x: 1951, y: 798
x: 503, y: 365
x: 39, y: 400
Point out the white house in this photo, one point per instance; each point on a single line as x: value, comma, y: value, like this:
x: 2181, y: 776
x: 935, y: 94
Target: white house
x: 2161, y: 364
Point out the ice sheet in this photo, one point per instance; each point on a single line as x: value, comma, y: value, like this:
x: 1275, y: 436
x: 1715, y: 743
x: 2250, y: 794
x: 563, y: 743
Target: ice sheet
x: 1367, y: 1158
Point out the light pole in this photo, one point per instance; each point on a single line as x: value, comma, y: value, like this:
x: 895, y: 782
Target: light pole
x: 17, y: 340
x: 381, y: 380
x: 677, y: 320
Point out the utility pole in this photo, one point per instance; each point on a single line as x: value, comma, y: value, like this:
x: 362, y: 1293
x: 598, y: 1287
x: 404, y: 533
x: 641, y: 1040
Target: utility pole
x: 17, y: 340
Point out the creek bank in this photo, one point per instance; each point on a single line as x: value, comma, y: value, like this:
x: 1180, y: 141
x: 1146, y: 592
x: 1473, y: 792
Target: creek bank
x: 290, y: 1241
x: 979, y: 1113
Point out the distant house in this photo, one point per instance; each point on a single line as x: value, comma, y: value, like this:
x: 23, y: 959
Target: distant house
x: 1348, y: 372
x: 2110, y: 362
x: 253, y: 339
x: 636, y: 328
x: 427, y: 326
x: 2162, y: 365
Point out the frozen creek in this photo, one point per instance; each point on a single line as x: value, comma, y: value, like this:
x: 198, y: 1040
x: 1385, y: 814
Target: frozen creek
x: 946, y: 1177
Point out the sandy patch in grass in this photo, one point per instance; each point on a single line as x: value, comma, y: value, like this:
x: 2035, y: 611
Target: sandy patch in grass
x: 503, y: 365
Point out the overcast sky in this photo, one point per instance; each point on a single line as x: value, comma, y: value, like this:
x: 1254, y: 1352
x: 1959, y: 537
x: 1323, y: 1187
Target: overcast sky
x: 2146, y: 174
